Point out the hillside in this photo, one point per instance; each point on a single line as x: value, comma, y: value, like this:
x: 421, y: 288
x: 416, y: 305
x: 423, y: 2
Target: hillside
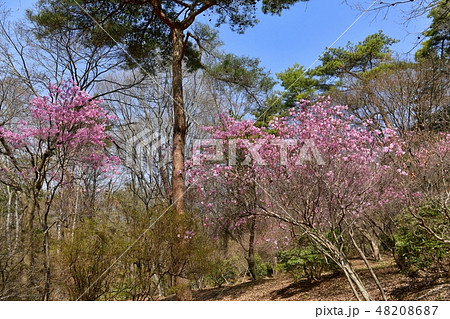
x: 336, y: 288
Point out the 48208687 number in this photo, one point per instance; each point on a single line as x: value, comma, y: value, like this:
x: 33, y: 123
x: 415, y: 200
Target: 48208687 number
x: 407, y: 310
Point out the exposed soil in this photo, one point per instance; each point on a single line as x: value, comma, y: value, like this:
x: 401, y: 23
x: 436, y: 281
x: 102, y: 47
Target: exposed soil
x: 331, y: 287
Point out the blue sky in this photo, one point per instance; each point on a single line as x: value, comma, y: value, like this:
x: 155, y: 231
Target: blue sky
x: 301, y: 34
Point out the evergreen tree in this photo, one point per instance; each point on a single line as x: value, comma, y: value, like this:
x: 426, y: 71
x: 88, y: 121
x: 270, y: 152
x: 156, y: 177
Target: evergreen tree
x: 438, y: 34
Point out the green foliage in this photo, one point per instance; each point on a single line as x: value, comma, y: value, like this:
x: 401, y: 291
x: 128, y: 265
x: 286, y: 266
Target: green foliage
x: 304, y: 262
x: 243, y: 76
x: 276, y: 6
x: 223, y: 271
x: 244, y: 72
x: 229, y: 270
x: 263, y: 269
x: 105, y: 23
x: 418, y: 252
x: 298, y: 85
x: 438, y: 34
x: 353, y: 59
x: 139, y: 27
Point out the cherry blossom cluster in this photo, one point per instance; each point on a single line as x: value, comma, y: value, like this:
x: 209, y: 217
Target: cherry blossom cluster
x: 68, y: 122
x: 345, y: 168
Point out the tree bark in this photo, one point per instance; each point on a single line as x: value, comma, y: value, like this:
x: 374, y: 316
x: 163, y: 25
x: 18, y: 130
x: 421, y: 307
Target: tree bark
x: 179, y: 143
x: 374, y: 245
x: 330, y: 250
x: 28, y: 241
x: 354, y: 281
x: 179, y: 125
x: 372, y: 273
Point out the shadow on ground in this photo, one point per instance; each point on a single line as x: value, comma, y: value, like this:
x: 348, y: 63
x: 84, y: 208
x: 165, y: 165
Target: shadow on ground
x: 330, y: 288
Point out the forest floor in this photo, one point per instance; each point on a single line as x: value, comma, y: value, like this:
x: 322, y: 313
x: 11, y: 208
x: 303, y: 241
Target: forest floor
x: 331, y: 288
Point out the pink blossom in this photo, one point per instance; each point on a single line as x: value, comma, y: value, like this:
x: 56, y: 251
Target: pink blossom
x: 68, y: 123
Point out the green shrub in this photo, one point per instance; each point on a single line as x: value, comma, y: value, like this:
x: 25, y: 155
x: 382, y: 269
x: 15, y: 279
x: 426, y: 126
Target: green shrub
x: 223, y: 271
x: 305, y: 262
x: 85, y: 258
x: 418, y: 251
x: 263, y: 269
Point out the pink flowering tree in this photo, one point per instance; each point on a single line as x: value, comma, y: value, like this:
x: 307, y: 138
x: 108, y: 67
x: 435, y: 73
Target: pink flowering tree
x: 313, y: 169
x: 67, y: 128
x: 231, y: 184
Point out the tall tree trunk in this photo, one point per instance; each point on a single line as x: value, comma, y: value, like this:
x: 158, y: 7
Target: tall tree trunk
x: 179, y: 124
x: 28, y: 242
x: 179, y: 141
